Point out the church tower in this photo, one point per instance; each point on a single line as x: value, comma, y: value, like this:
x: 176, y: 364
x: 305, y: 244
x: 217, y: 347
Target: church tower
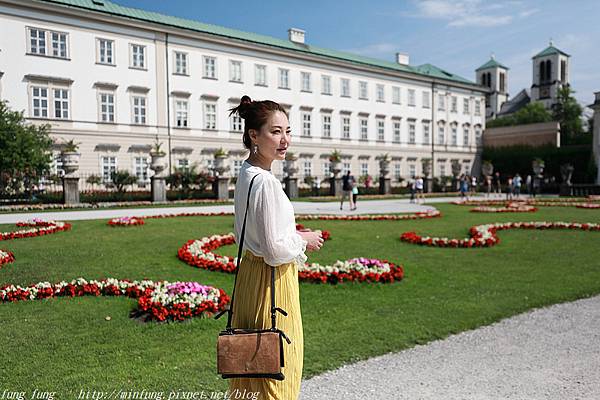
x: 494, y: 76
x: 550, y: 72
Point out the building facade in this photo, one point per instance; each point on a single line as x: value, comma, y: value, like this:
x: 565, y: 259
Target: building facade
x: 114, y: 78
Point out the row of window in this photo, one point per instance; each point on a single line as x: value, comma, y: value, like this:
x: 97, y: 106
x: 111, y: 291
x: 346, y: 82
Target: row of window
x: 43, y: 97
x: 54, y: 102
x: 45, y: 42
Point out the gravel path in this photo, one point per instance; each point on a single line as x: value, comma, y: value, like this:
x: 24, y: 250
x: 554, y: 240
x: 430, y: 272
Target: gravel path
x: 548, y: 353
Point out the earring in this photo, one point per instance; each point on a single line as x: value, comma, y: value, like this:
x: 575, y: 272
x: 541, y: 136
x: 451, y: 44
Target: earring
x: 255, y: 149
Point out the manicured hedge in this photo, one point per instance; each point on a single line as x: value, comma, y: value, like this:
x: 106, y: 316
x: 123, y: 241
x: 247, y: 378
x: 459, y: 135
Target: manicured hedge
x: 510, y: 160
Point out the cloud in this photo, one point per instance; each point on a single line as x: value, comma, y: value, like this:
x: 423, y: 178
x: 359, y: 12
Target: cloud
x: 527, y: 13
x: 471, y: 13
x: 482, y: 20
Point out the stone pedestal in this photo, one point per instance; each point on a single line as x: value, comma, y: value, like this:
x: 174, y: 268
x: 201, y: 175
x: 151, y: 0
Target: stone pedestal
x: 566, y: 190
x: 291, y: 187
x: 385, y: 185
x: 71, y: 190
x: 159, y: 189
x: 221, y: 187
x: 427, y: 185
x: 335, y: 186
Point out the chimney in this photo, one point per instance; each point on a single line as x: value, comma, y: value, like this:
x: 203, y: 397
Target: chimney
x: 296, y: 35
x: 402, y: 58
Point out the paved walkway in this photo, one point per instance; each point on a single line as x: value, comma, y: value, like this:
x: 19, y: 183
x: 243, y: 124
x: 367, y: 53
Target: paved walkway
x: 551, y: 353
x: 300, y: 207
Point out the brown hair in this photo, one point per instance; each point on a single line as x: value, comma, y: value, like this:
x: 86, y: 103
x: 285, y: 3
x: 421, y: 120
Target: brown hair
x: 255, y: 114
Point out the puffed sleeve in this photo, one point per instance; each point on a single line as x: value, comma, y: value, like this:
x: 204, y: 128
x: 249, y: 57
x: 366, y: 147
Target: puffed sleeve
x: 281, y: 244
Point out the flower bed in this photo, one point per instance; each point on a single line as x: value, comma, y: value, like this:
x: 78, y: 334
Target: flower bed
x: 159, y: 301
x: 37, y: 227
x: 591, y: 206
x: 374, y: 217
x: 6, y: 257
x: 512, y: 207
x: 485, y: 235
x: 561, y: 202
x: 133, y: 221
x: 126, y: 221
x: 355, y: 269
x: 199, y: 253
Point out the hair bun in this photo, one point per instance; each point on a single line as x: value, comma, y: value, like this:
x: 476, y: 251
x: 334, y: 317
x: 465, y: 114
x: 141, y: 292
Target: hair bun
x: 244, y: 106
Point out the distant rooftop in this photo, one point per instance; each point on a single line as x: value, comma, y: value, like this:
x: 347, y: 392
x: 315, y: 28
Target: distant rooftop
x: 492, y: 63
x: 550, y: 50
x: 108, y: 7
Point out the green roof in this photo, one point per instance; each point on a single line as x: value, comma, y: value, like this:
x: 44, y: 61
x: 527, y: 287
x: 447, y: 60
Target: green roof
x: 108, y: 7
x: 435, y: 72
x: 550, y: 50
x: 492, y: 63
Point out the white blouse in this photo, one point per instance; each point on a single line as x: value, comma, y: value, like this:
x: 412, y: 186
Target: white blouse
x: 270, y: 225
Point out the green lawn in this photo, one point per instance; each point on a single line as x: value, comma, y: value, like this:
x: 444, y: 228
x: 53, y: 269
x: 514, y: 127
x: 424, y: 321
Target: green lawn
x: 65, y: 345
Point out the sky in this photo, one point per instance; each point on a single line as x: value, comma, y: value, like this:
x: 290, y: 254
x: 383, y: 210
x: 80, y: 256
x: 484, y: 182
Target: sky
x: 455, y: 35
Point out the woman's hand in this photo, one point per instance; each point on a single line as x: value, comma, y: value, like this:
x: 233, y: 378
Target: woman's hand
x: 314, y: 239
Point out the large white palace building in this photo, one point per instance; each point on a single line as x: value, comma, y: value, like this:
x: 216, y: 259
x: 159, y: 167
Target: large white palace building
x: 112, y: 78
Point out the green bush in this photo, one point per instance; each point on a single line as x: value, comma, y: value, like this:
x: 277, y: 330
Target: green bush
x: 510, y: 160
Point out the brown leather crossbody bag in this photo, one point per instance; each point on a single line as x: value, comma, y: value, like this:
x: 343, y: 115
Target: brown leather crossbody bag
x: 251, y: 353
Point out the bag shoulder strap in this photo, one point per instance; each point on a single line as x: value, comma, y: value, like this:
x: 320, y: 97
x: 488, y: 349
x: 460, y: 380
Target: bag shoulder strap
x: 239, y: 256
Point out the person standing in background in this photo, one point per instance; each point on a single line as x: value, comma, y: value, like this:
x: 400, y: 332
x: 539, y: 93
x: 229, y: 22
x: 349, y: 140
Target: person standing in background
x: 347, y: 190
x: 419, y: 188
x: 354, y: 193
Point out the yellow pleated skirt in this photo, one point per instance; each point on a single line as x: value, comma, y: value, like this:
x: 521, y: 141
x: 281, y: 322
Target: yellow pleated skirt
x: 252, y: 309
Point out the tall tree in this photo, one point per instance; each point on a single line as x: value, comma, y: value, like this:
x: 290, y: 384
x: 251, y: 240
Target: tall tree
x: 25, y: 152
x: 568, y: 112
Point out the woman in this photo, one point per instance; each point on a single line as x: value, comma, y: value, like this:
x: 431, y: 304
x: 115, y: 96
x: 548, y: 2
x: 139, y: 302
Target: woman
x: 354, y: 193
x: 270, y: 239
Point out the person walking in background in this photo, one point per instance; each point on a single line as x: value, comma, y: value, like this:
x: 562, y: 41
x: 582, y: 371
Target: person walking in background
x: 347, y: 190
x: 528, y: 185
x: 464, y: 187
x: 272, y: 245
x: 497, y: 183
x: 354, y: 193
x: 517, y: 185
x: 317, y: 186
x: 419, y: 189
x: 488, y: 185
x: 412, y: 188
x: 509, y: 188
x: 474, y: 185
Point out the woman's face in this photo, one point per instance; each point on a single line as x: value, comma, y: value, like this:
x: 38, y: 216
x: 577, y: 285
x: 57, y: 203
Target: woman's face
x: 274, y: 137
